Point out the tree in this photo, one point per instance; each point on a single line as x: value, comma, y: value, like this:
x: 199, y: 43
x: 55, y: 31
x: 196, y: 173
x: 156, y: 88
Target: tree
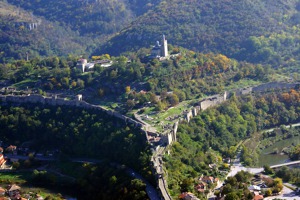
x: 268, y: 169
x: 127, y: 89
x: 65, y: 82
x: 226, y: 189
x: 232, y: 196
x: 173, y: 99
x: 3, y: 71
x: 113, y: 180
x: 16, y: 165
x: 232, y: 151
x: 187, y: 185
x: 101, y: 92
x: 113, y: 74
x: 268, y: 192
x: 80, y: 83
x: 130, y: 104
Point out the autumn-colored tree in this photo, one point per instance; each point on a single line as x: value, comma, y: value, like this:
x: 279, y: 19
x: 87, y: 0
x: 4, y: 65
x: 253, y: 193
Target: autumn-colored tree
x: 127, y: 89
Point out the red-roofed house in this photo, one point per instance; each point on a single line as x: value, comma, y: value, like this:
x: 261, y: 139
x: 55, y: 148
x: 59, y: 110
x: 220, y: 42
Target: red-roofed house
x: 201, y: 187
x: 258, y: 197
x: 188, y: 196
x: 208, y: 179
x: 2, y: 191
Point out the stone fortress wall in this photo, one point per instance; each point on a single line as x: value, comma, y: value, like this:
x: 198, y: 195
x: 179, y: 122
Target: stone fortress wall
x: 55, y: 101
x: 219, y: 98
x: 170, y: 137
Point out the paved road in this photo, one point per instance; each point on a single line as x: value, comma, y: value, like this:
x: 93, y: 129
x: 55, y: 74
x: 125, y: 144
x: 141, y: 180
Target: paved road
x: 285, y: 164
x: 287, y: 194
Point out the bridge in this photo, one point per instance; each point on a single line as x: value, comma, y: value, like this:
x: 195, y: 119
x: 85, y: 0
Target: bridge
x: 293, y: 163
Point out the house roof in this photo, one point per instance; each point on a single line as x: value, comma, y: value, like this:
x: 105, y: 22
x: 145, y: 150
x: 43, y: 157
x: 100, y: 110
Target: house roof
x: 254, y: 187
x: 258, y: 197
x: 188, y: 195
x: 200, y: 187
x: 14, y: 187
x: 207, y: 178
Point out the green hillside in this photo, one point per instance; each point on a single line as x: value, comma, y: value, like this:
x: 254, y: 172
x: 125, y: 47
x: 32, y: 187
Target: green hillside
x: 227, y: 27
x: 257, y: 31
x: 64, y: 27
x: 97, y: 17
x: 23, y: 33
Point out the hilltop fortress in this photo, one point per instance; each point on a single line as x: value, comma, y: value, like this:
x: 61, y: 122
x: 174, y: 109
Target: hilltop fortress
x: 170, y: 136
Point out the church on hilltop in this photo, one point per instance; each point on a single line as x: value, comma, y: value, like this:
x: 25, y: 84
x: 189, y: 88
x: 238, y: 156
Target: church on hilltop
x: 160, y: 51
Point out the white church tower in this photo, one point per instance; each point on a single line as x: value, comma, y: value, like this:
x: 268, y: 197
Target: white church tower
x: 164, y: 47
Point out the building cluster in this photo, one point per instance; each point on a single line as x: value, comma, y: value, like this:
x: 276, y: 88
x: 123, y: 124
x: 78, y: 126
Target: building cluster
x: 83, y: 65
x: 13, y: 192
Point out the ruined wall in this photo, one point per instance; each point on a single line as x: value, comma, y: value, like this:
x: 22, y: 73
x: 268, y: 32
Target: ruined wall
x: 275, y: 86
x: 218, y: 99
x: 213, y: 100
x: 189, y: 116
x: 54, y: 101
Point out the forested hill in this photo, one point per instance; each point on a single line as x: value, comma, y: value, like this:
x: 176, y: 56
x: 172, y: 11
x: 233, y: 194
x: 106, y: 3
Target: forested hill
x: 90, y: 17
x: 259, y: 31
x: 64, y: 27
x: 23, y: 33
x: 217, y: 25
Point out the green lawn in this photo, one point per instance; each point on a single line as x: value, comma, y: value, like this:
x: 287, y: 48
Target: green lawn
x: 11, y: 177
x: 23, y: 84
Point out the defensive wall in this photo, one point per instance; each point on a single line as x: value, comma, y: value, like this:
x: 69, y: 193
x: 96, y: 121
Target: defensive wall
x: 220, y: 98
x: 55, y: 101
x: 170, y: 137
x: 78, y: 102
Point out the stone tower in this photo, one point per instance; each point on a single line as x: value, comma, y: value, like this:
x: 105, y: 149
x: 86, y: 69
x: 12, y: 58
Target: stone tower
x: 164, y: 47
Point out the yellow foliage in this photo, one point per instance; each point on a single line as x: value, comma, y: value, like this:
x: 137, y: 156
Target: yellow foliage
x: 127, y: 89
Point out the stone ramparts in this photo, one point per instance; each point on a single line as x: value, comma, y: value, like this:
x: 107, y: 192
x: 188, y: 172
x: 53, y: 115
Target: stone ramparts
x: 274, y: 86
x: 54, y: 101
x: 218, y: 99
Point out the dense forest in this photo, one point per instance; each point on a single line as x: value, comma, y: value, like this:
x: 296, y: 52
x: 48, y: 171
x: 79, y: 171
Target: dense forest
x: 252, y: 30
x: 248, y: 30
x: 79, y: 133
x: 215, y: 133
x: 62, y: 27
x: 22, y: 34
x: 88, y: 17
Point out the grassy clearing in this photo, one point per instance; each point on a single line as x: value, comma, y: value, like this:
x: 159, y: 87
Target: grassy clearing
x: 23, y: 84
x: 13, y: 177
x: 242, y: 83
